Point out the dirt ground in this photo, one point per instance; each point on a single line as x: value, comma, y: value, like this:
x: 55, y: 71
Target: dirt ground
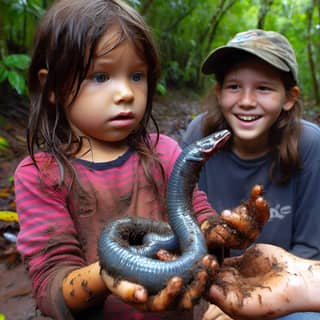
x: 173, y: 113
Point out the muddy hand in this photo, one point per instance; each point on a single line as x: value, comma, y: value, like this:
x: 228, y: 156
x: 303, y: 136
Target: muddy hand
x: 191, y: 294
x: 239, y: 227
x: 263, y: 283
x: 173, y: 296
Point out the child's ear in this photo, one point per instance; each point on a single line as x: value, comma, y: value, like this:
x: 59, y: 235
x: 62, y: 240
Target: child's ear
x: 291, y: 98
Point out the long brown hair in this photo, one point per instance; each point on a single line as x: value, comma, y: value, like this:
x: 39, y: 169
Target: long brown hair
x: 65, y: 45
x: 284, y: 134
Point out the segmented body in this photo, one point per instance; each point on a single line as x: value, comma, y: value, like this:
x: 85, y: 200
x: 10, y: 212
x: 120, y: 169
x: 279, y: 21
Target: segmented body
x: 126, y: 246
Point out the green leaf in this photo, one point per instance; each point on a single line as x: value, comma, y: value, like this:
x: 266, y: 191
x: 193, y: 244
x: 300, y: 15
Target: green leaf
x: 2, y: 316
x: 161, y: 88
x: 4, y: 144
x: 17, y: 61
x: 35, y: 9
x: 135, y: 3
x: 3, y: 75
x: 17, y: 81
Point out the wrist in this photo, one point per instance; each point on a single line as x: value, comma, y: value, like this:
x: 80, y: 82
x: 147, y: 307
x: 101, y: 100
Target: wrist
x: 209, y: 223
x: 84, y: 287
x: 311, y: 276
x: 303, y: 285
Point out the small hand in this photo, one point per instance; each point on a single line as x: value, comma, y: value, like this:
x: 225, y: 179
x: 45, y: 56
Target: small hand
x: 174, y: 296
x: 239, y: 227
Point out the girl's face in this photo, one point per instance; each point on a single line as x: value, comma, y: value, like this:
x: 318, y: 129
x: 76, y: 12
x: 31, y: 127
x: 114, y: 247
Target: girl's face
x: 251, y: 98
x: 112, y: 99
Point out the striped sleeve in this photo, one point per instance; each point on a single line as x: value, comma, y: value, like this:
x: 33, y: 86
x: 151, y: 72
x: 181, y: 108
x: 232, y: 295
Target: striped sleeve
x: 47, y: 239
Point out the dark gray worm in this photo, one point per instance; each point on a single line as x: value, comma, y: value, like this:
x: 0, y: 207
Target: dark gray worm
x: 127, y: 246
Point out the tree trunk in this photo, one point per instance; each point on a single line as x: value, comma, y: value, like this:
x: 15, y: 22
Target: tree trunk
x: 265, y: 6
x: 315, y: 80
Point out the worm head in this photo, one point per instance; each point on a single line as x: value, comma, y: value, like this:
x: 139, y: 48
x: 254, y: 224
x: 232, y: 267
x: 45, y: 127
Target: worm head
x: 212, y: 143
x: 204, y: 148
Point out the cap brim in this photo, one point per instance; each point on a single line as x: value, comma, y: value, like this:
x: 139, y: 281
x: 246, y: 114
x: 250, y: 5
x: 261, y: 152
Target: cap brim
x: 222, y: 56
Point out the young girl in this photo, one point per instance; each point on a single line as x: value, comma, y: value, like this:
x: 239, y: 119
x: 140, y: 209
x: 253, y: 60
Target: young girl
x: 92, y: 80
x: 257, y: 98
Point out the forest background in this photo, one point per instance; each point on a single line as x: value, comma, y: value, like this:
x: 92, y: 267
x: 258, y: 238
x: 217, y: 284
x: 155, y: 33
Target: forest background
x: 185, y: 31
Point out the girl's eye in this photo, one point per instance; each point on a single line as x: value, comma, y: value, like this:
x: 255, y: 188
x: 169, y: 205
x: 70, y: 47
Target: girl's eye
x: 137, y: 76
x: 232, y: 86
x: 264, y: 88
x: 101, y: 77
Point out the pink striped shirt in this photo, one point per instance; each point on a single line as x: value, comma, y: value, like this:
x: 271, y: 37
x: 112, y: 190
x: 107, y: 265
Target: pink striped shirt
x: 59, y: 228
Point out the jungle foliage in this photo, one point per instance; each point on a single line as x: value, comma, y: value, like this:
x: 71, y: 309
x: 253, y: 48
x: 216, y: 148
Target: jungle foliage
x: 186, y: 31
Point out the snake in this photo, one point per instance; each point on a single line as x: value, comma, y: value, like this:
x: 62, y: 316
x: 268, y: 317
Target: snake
x: 127, y: 246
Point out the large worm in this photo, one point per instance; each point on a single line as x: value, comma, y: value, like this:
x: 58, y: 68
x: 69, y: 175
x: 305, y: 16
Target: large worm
x: 127, y: 246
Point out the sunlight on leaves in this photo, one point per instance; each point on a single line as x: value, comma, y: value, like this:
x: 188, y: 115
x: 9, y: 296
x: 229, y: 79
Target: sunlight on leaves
x: 4, y: 144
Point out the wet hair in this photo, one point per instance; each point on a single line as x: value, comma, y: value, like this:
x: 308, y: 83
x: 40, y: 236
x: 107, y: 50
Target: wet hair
x: 65, y: 45
x: 284, y: 134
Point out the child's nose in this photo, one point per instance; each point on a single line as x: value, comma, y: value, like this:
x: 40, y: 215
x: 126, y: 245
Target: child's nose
x: 248, y: 98
x: 124, y: 92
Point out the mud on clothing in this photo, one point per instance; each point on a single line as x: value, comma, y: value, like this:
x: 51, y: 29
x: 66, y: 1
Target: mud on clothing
x: 59, y: 229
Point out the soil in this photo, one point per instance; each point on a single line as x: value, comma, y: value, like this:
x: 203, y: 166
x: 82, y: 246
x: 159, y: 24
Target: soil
x: 172, y: 113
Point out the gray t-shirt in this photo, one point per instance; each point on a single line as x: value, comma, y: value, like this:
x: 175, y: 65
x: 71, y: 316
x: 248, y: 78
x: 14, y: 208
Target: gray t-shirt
x: 295, y: 207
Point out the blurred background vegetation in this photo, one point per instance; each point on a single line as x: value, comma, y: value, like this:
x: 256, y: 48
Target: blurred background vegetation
x: 185, y: 30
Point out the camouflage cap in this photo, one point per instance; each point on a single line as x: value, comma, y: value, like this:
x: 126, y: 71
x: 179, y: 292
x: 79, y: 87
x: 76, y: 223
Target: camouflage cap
x: 269, y: 46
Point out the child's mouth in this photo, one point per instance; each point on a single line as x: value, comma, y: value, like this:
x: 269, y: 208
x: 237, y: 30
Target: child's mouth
x: 123, y: 120
x: 248, y: 118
